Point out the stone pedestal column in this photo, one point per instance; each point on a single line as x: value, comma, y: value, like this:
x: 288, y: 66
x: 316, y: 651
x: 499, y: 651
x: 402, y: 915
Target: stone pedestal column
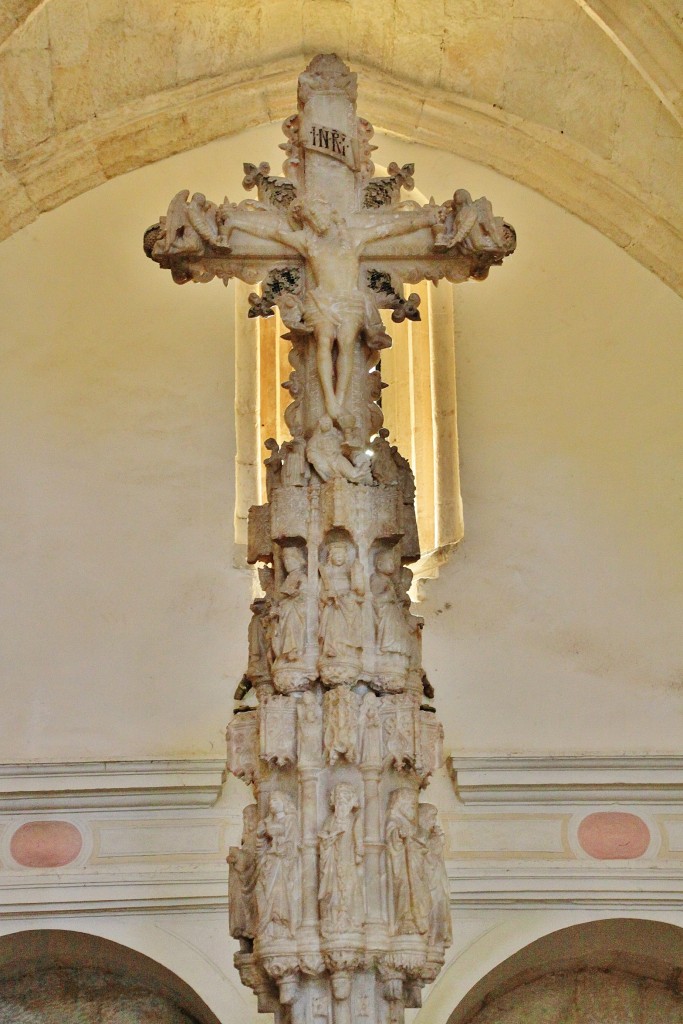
x: 338, y: 894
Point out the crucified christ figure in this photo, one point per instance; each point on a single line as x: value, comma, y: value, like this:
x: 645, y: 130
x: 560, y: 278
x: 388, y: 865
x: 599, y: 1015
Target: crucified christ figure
x: 336, y: 309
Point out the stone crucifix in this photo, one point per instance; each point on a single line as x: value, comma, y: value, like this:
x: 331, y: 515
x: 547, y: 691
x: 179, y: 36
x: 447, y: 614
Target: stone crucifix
x: 338, y: 893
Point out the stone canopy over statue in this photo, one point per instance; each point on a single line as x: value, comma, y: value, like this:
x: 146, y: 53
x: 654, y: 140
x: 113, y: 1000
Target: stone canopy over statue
x: 338, y: 894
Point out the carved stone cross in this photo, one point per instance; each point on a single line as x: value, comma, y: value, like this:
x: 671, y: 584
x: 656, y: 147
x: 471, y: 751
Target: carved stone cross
x: 338, y: 893
x: 331, y: 243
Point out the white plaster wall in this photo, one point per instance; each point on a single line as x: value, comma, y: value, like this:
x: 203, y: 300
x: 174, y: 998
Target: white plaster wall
x: 555, y: 627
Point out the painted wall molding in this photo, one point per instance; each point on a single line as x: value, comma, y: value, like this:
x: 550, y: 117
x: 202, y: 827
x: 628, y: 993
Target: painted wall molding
x: 552, y: 886
x: 204, y: 889
x: 93, y: 785
x: 140, y: 889
x: 568, y: 780
x: 157, y: 838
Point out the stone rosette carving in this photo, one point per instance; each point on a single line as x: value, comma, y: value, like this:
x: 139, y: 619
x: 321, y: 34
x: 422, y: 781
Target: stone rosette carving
x: 338, y: 891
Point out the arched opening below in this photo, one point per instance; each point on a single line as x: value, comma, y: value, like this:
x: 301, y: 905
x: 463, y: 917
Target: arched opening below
x: 611, y: 971
x: 69, y: 977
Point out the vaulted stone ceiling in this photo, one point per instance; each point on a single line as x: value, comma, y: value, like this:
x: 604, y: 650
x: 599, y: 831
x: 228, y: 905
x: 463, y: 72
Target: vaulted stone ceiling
x: 579, y: 99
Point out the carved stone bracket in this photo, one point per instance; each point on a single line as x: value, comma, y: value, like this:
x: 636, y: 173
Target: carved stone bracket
x: 242, y: 737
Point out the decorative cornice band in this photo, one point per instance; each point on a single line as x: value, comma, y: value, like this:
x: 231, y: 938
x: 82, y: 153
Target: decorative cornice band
x: 92, y: 785
x: 568, y: 780
x: 205, y: 890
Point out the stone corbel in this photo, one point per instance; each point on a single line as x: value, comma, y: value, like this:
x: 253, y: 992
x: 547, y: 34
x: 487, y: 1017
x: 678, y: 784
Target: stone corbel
x: 278, y: 730
x: 242, y: 738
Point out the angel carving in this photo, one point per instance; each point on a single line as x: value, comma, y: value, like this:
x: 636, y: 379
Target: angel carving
x: 472, y: 226
x: 189, y: 226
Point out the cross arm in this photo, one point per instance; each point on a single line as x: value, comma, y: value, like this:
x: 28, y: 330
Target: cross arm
x: 252, y: 219
x: 388, y: 224
x: 197, y: 240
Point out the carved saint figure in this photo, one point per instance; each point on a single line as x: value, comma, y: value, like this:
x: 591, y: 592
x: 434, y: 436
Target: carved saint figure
x: 405, y: 854
x: 242, y: 883
x: 258, y: 664
x: 341, y: 596
x: 289, y: 642
x: 375, y: 386
x: 390, y: 624
x: 273, y: 464
x: 326, y: 455
x: 433, y: 839
x: 341, y: 856
x: 292, y: 413
x: 371, y: 730
x: 295, y: 469
x: 309, y: 728
x: 336, y: 310
x: 384, y: 468
x: 277, y: 886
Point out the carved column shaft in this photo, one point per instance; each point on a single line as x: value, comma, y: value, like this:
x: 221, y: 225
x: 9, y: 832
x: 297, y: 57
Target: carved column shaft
x: 374, y: 847
x: 308, y: 800
x: 338, y: 893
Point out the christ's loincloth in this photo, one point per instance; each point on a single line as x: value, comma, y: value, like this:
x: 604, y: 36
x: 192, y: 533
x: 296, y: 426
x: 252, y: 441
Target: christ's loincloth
x: 322, y: 309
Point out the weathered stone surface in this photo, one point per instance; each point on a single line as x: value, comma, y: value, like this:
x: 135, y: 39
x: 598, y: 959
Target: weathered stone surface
x: 65, y: 994
x: 609, y: 997
x: 13, y: 13
x: 26, y: 89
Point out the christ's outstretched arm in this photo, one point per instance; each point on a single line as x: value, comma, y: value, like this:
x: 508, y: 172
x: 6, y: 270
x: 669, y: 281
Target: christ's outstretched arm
x: 400, y: 223
x: 261, y: 224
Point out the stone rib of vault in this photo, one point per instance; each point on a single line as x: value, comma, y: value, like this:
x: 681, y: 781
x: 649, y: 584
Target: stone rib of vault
x: 338, y: 892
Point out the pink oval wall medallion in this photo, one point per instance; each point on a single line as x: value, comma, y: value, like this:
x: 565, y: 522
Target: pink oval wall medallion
x: 46, y: 844
x: 613, y: 835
